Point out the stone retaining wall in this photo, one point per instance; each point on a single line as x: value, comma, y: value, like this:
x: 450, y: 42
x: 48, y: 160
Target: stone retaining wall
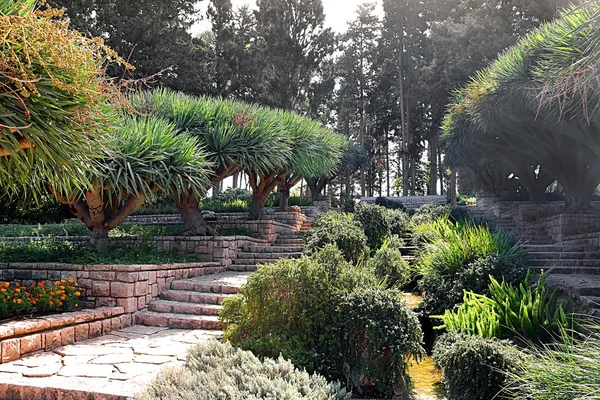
x: 18, y: 338
x: 562, y: 227
x: 131, y: 287
x: 412, y: 202
x: 522, y: 211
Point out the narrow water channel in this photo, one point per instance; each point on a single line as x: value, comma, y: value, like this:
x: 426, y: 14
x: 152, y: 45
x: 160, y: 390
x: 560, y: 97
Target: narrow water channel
x: 426, y: 378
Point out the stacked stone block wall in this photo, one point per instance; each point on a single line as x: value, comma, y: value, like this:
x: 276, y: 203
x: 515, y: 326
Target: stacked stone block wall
x: 19, y: 338
x: 412, y: 202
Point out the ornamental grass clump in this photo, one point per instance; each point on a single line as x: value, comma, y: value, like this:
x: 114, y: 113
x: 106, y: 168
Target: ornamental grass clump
x: 46, y: 296
x: 565, y: 370
x: 461, y: 256
x: 520, y: 312
x: 217, y: 371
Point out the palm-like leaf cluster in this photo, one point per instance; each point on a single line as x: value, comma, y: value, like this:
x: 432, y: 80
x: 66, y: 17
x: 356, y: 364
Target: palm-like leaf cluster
x: 143, y: 157
x: 522, y: 112
x: 271, y: 146
x: 51, y: 95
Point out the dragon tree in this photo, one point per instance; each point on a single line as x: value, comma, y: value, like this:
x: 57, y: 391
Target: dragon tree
x: 535, y: 111
x: 236, y: 136
x: 142, y: 158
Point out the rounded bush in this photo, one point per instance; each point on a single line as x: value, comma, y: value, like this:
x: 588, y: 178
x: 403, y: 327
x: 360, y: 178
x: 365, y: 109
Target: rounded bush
x: 374, y: 222
x: 388, y: 263
x: 328, y: 316
x: 390, y: 203
x: 430, y: 212
x: 398, y: 222
x: 341, y: 230
x: 216, y: 371
x: 474, y: 367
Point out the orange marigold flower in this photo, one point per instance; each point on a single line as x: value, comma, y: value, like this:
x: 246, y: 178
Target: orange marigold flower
x: 19, y: 301
x: 18, y: 290
x: 77, y: 293
x: 51, y: 302
x: 70, y: 279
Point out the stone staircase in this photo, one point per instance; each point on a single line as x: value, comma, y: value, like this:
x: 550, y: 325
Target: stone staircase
x: 574, y: 261
x: 195, y: 303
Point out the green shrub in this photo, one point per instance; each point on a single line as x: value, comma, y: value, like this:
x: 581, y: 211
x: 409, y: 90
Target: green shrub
x: 380, y: 334
x: 328, y: 316
x: 569, y: 369
x: 520, y: 312
x: 474, y: 367
x: 374, y: 222
x: 220, y: 206
x: 390, y: 203
x: 388, y: 263
x: 216, y: 371
x: 398, y: 222
x: 274, y: 200
x: 428, y: 213
x: 232, y: 195
x: 52, y: 250
x: 341, y: 230
x: 451, y: 261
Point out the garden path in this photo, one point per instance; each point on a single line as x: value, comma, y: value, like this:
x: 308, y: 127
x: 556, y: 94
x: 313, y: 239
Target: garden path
x: 111, y: 367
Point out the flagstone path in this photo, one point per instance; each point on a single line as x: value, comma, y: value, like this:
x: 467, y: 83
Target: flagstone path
x: 111, y: 367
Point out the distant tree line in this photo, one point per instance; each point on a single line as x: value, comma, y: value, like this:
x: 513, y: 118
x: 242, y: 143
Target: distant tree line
x: 384, y: 83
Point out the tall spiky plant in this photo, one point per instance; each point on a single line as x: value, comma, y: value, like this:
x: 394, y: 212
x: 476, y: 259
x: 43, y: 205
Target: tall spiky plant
x: 52, y: 91
x: 142, y: 158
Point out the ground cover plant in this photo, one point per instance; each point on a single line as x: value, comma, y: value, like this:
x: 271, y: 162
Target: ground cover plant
x: 40, y: 297
x: 68, y: 229
x: 49, y: 250
x: 327, y: 315
x: 218, y: 371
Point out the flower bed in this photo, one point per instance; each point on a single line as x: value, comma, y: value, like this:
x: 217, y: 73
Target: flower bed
x: 39, y: 297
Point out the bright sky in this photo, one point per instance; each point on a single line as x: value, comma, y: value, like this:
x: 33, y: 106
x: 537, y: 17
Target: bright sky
x: 337, y: 12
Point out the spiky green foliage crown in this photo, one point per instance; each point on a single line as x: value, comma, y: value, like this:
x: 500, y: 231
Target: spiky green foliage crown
x: 248, y: 136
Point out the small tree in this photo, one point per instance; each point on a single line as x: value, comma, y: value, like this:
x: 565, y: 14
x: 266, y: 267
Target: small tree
x: 143, y: 157
x: 314, y: 150
x: 235, y: 136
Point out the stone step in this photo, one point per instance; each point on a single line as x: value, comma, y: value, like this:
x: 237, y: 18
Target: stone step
x: 255, y: 261
x: 534, y: 255
x: 258, y: 256
x: 292, y: 242
x: 179, y: 321
x: 204, y: 288
x: 552, y: 248
x: 273, y: 249
x: 194, y: 297
x: 590, y: 271
x: 565, y: 263
x: 576, y: 285
x: 180, y: 307
x: 242, y: 267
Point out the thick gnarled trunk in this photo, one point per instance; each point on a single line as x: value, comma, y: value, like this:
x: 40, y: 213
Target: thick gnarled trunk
x: 194, y: 223
x: 257, y: 207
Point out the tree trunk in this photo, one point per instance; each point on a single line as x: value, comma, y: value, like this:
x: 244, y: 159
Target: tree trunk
x: 257, y: 206
x: 413, y: 177
x: 194, y: 223
x: 284, y: 198
x: 99, y: 238
x: 312, y: 187
x: 537, y: 196
x: 577, y: 202
x: 433, y: 172
x: 453, y: 188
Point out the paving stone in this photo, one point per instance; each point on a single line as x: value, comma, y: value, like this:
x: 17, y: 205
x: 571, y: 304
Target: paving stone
x: 76, y: 360
x: 86, y: 350
x: 134, y: 369
x: 149, y: 359
x: 125, y: 357
x: 144, y: 330
x: 43, y: 371
x: 13, y: 368
x: 38, y: 359
x: 87, y: 370
x: 163, y: 350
